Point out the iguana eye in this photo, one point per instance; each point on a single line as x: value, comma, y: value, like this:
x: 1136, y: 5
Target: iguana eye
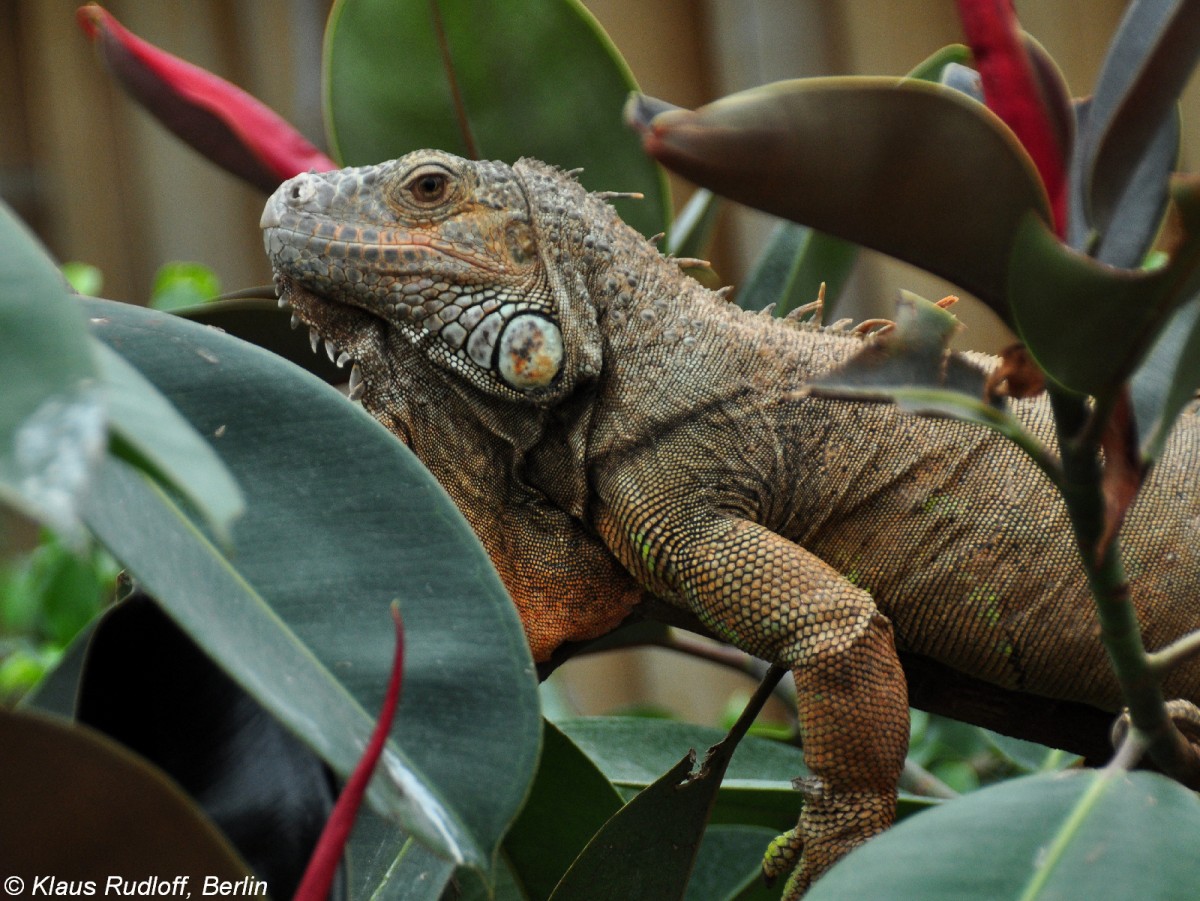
x: 428, y: 187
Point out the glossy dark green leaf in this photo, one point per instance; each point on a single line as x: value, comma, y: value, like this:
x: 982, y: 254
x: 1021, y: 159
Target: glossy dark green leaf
x: 1080, y: 834
x: 387, y: 863
x: 148, y: 432
x: 112, y: 814
x: 831, y: 153
x: 1089, y: 325
x: 262, y: 322
x: 1137, y: 215
x: 647, y: 848
x: 1028, y: 756
x: 632, y: 752
x: 1132, y: 118
x: 793, y: 266
x: 913, y: 356
x: 635, y: 751
x: 56, y: 692
x: 340, y: 519
x: 51, y: 412
x: 729, y: 865
x: 532, y: 78
x: 569, y: 802
x: 1166, y: 382
x: 797, y: 259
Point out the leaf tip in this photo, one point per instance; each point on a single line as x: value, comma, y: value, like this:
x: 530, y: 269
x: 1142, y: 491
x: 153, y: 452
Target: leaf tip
x: 90, y: 19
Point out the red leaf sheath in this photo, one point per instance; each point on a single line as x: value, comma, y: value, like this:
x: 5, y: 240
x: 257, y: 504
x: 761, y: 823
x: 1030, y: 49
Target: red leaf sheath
x: 220, y: 120
x: 1011, y: 91
x: 322, y: 867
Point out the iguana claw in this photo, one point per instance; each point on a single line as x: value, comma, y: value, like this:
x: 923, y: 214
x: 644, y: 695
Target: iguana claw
x: 831, y: 825
x: 781, y: 858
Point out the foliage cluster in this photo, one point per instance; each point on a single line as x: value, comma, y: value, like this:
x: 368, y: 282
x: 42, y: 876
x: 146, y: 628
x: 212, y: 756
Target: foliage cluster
x: 252, y: 502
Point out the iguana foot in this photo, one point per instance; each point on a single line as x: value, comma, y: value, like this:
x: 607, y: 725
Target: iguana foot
x: 830, y: 826
x: 1184, y: 714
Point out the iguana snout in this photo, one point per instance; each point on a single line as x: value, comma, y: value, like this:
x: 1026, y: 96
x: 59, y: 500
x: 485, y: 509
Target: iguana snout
x: 440, y: 248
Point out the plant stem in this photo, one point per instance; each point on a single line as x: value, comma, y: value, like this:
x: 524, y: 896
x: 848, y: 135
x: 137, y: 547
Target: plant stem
x: 1175, y: 653
x: 1119, y: 629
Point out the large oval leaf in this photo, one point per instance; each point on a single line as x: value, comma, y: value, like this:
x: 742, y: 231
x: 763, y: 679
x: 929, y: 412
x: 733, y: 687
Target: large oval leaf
x: 878, y: 161
x: 1151, y: 58
x: 51, y: 414
x: 147, y: 431
x: 532, y: 78
x: 79, y: 807
x: 340, y: 519
x: 1090, y: 834
x: 570, y: 801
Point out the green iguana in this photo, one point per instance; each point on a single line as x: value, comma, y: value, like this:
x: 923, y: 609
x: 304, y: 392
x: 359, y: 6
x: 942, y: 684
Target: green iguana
x: 609, y: 426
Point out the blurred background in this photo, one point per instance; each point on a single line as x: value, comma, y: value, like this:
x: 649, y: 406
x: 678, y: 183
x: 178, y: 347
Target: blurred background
x: 102, y: 183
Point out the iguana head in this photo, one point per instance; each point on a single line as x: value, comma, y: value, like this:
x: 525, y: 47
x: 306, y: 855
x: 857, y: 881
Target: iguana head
x: 446, y: 254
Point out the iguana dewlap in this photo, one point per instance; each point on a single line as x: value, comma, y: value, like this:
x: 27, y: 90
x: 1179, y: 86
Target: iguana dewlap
x: 608, y: 425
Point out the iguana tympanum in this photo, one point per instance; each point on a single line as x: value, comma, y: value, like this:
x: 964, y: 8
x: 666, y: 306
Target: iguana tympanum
x: 609, y: 426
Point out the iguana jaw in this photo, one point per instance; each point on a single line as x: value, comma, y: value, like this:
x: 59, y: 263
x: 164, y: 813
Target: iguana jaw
x: 349, y: 335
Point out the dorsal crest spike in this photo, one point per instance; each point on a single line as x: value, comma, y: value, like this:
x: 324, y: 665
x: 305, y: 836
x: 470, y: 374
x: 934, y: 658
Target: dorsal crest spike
x: 619, y: 195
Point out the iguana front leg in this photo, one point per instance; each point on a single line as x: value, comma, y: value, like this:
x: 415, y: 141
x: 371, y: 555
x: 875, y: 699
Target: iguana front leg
x: 770, y: 597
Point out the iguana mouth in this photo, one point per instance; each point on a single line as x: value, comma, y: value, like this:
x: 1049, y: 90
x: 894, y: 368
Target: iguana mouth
x: 348, y: 334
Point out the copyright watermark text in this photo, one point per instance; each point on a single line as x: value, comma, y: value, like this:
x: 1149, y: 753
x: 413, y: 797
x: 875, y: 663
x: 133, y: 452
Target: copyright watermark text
x: 119, y: 886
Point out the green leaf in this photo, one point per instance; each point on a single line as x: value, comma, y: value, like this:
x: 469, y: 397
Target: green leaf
x: 933, y: 67
x: 647, y: 848
x: 1132, y: 120
x: 831, y: 153
x: 56, y: 692
x: 798, y: 260
x: 792, y: 267
x: 532, y: 78
x: 912, y: 367
x: 340, y: 519
x: 1079, y: 834
x: 113, y: 814
x: 911, y: 360
x: 729, y: 865
x: 1028, y: 756
x: 237, y: 627
x: 633, y: 752
x: 151, y: 434
x: 180, y: 285
x: 1134, y: 221
x: 1089, y: 325
x: 83, y: 277
x: 147, y: 685
x: 692, y: 229
x: 570, y: 801
x: 1166, y: 381
x: 262, y: 322
x: 51, y: 413
x: 386, y: 862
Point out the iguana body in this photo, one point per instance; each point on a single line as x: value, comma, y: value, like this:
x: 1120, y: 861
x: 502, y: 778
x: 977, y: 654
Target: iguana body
x: 609, y: 426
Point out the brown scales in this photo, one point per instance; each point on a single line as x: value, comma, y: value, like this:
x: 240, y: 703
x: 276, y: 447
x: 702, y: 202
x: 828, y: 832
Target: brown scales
x: 666, y: 445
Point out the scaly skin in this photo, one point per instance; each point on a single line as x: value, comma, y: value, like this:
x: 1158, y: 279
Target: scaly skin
x: 609, y: 426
